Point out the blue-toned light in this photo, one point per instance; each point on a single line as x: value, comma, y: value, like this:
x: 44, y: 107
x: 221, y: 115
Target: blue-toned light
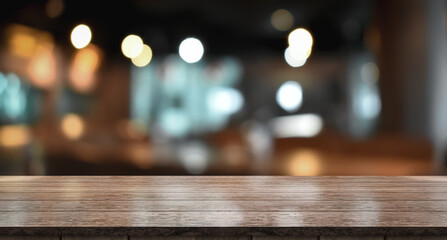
x: 224, y: 100
x: 14, y: 99
x: 290, y: 96
x: 175, y: 122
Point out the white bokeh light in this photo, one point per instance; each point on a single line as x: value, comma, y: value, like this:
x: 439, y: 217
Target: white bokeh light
x: 295, y: 59
x: 300, y: 125
x: 224, y: 100
x: 290, y: 96
x: 132, y: 46
x: 81, y: 36
x: 300, y: 40
x: 191, y: 50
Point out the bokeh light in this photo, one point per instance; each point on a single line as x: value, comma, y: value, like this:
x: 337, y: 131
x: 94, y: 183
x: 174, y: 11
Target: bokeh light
x: 370, y: 72
x: 300, y: 47
x: 175, y: 122
x: 132, y: 46
x: 23, y: 44
x: 144, y: 58
x: 72, y: 126
x: 300, y: 125
x: 14, y: 98
x: 289, y: 96
x: 300, y: 40
x: 191, y: 50
x: 306, y: 162
x: 295, y: 59
x: 42, y: 68
x: 83, y: 69
x: 81, y: 36
x: 224, y: 100
x: 368, y: 105
x: 194, y: 157
x: 24, y: 41
x: 14, y: 135
x: 282, y: 20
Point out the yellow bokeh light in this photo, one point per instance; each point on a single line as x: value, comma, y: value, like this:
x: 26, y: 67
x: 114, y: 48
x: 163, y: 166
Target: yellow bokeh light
x: 14, y: 135
x: 300, y: 40
x: 82, y: 73
x: 72, y: 126
x: 132, y: 46
x: 42, y: 68
x: 144, y: 58
x: 282, y: 20
x: 81, y: 36
x: 305, y: 162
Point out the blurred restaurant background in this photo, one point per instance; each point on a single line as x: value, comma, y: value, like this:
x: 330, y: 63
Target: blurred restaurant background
x: 224, y: 87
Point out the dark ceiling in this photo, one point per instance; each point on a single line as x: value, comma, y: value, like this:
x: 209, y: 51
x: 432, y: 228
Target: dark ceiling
x: 225, y: 27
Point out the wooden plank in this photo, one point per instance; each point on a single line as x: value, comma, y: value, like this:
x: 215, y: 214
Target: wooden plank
x: 222, y: 205
x: 189, y: 183
x: 352, y: 237
x: 224, y: 219
x: 29, y: 237
x: 247, y: 196
x: 206, y: 201
x: 224, y: 179
x: 226, y: 189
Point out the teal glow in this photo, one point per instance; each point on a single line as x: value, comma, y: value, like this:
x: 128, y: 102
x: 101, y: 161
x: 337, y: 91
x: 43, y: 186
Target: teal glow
x: 3, y: 83
x: 185, y: 98
x: 175, y: 122
x: 14, y: 98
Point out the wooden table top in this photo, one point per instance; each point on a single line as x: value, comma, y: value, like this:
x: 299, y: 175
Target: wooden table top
x: 222, y: 201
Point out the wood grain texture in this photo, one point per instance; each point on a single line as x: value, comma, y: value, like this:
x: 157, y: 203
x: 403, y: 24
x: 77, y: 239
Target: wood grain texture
x: 223, y: 201
x: 220, y: 206
x: 224, y: 219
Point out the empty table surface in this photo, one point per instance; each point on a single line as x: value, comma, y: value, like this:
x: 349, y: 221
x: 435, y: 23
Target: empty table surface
x: 222, y: 202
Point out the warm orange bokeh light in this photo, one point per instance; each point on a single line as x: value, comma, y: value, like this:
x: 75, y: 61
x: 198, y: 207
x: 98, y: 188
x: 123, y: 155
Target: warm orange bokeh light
x: 14, y: 135
x: 72, y: 126
x: 305, y: 162
x: 83, y: 70
x: 24, y: 41
x: 23, y: 44
x: 42, y: 68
